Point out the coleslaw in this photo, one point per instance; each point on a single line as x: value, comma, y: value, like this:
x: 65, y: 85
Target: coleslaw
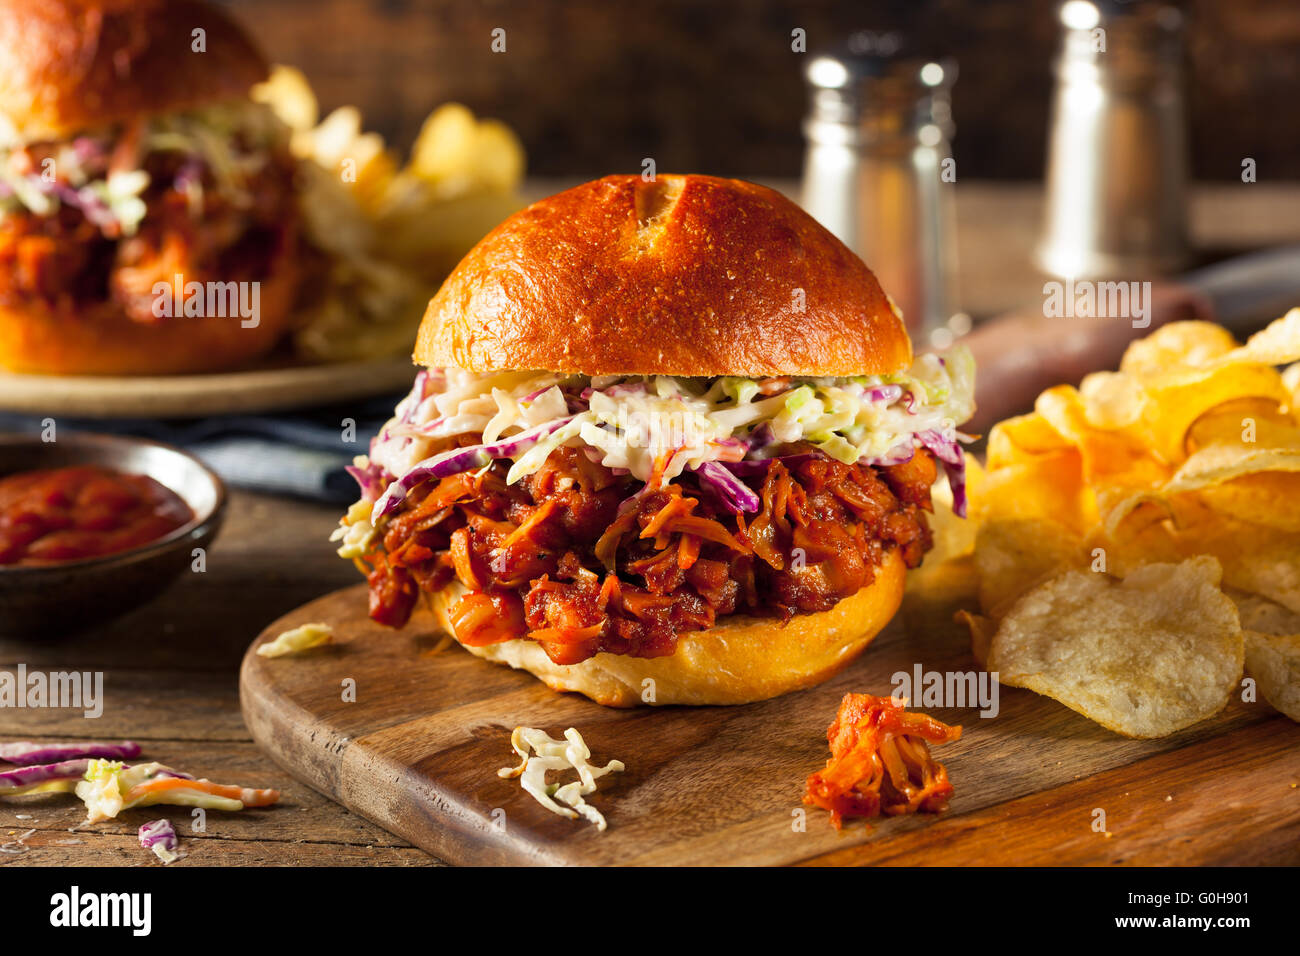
x: 229, y: 140
x: 108, y: 787
x: 654, y: 428
x: 160, y: 837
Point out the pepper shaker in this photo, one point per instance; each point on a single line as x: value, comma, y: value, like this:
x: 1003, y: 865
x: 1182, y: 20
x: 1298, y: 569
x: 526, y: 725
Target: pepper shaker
x: 878, y: 135
x: 1117, y: 150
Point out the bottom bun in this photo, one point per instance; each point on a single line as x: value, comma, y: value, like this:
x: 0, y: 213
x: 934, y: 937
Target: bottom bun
x: 101, y: 339
x: 740, y: 660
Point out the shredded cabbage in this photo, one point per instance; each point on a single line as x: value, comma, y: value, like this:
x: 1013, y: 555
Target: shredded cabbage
x: 160, y: 837
x: 26, y: 753
x: 551, y: 755
x: 297, y: 639
x: 230, y: 140
x: 355, y: 531
x: 657, y: 427
x: 42, y: 778
x: 107, y: 782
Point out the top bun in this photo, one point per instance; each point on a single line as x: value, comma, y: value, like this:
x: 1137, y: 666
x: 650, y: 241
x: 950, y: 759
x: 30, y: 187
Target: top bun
x: 685, y: 275
x: 66, y: 65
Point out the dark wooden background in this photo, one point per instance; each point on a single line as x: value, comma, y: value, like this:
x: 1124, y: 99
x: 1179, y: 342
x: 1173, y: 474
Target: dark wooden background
x: 712, y: 86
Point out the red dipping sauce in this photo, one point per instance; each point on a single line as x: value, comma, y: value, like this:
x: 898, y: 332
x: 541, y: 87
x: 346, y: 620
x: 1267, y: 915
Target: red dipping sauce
x: 67, y: 514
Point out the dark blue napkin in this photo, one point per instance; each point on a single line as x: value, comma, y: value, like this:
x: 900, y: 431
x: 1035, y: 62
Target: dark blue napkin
x: 301, y: 454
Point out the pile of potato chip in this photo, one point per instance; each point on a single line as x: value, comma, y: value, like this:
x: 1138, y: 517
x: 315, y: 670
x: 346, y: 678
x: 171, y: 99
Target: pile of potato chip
x: 390, y: 234
x: 1136, y: 541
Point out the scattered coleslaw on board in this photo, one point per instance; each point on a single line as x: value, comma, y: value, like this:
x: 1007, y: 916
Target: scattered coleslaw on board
x: 160, y: 837
x: 549, y: 754
x: 108, y: 788
x: 297, y: 639
x: 25, y: 753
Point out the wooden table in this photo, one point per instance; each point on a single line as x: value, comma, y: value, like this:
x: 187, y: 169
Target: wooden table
x: 170, y: 682
x: 170, y: 669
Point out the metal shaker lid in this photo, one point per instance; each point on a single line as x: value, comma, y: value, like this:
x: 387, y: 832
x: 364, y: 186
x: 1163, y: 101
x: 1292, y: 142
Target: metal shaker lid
x: 875, y: 82
x: 1132, y: 41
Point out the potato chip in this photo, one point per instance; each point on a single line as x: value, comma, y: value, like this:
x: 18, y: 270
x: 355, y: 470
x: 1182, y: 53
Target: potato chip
x: 1248, y: 421
x: 1220, y: 463
x: 1176, y: 346
x: 1149, y: 535
x: 1291, y: 382
x: 1274, y: 662
x: 1112, y: 400
x: 982, y: 630
x: 387, y: 237
x: 445, y: 145
x: 1144, y: 656
x: 1260, y: 614
x: 1018, y: 439
x: 1133, y: 509
x: 1187, y: 368
x: 1188, y: 454
x: 498, y: 157
x: 458, y: 155
x: 1116, y: 463
x: 1174, y: 408
x: 1183, y: 350
x: 1272, y: 650
x: 290, y: 96
x: 948, y: 580
x: 1269, y: 498
x: 1244, y: 461
x: 1050, y: 486
x: 358, y: 158
x: 1255, y: 558
x: 1275, y: 345
x: 430, y: 235
x: 1014, y: 555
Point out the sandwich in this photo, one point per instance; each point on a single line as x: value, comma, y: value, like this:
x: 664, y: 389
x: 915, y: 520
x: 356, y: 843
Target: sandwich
x: 148, y: 215
x: 668, y: 444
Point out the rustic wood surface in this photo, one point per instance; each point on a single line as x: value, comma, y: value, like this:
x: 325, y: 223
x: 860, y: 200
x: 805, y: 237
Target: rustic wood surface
x: 171, y: 671
x: 418, y: 749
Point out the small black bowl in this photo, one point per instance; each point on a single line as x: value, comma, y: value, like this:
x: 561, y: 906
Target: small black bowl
x: 52, y: 600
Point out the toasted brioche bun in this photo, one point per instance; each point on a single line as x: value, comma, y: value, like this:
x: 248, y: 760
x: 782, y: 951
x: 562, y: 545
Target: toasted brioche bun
x: 741, y: 659
x: 100, y: 339
x: 70, y: 64
x: 686, y: 275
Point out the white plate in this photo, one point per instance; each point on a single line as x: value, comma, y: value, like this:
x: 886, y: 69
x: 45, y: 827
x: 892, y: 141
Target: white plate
x: 193, y: 396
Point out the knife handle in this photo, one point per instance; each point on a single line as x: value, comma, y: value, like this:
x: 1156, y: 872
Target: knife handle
x: 1246, y: 291
x: 1020, y: 354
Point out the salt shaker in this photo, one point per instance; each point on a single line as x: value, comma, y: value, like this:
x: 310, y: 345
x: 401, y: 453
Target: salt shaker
x: 878, y: 173
x: 1117, y: 150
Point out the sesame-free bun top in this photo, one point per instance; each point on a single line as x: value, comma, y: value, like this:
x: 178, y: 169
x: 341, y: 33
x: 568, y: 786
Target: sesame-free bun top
x: 66, y: 65
x: 682, y: 275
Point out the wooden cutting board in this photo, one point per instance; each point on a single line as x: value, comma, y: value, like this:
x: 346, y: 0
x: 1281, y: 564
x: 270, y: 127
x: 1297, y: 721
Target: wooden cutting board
x: 418, y: 750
